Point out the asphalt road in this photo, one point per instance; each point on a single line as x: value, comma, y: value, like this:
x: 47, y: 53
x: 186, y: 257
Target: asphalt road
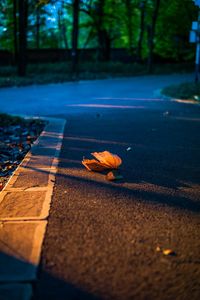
x: 73, y: 97
x: 102, y: 236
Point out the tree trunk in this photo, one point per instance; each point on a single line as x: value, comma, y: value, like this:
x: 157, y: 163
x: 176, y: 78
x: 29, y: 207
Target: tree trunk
x: 15, y: 31
x: 75, y: 38
x: 100, y: 29
x: 22, y: 56
x: 141, y: 36
x: 151, y: 35
x: 129, y: 25
x: 65, y: 36
x: 62, y: 27
x: 59, y: 28
x: 37, y: 37
x: 106, y: 46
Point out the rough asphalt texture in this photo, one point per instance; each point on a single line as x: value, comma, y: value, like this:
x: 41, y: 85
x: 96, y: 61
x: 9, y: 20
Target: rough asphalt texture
x: 102, y: 237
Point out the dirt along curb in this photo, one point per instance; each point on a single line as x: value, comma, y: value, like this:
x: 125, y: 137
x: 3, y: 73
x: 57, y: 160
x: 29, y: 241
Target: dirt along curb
x: 24, y: 208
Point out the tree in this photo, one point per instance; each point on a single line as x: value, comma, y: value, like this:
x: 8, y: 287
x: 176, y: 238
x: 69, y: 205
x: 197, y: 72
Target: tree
x: 104, y: 23
x: 142, y: 7
x: 75, y: 30
x: 129, y: 13
x: 37, y: 34
x: 62, y: 26
x: 22, y: 54
x: 151, y: 30
x: 15, y: 29
x: 172, y: 33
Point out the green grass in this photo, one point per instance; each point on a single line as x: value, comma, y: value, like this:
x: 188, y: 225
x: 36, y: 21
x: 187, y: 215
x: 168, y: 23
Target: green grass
x: 8, y: 120
x: 187, y: 90
x: 61, y: 72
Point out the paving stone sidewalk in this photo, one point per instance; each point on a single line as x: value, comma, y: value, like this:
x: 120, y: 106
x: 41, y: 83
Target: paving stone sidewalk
x: 24, y: 208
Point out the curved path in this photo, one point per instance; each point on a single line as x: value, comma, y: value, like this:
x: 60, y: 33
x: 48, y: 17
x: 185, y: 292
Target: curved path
x: 105, y: 240
x: 73, y: 97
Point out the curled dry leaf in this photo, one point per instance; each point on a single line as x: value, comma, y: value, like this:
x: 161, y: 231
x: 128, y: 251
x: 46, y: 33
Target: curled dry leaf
x: 103, y: 161
x: 1, y: 225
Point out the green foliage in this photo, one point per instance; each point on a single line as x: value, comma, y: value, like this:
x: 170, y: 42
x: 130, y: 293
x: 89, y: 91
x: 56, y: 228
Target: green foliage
x: 7, y: 71
x: 8, y: 120
x: 6, y: 25
x: 173, y: 28
x: 120, y: 24
x: 61, y: 72
x: 188, y: 90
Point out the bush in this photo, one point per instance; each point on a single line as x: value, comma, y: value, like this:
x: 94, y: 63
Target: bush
x: 187, y: 90
x: 61, y: 72
x: 7, y: 120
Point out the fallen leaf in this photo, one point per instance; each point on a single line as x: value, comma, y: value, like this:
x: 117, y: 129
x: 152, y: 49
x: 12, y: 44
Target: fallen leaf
x: 93, y: 165
x: 104, y: 160
x: 108, y: 159
x: 168, y: 252
x: 1, y: 224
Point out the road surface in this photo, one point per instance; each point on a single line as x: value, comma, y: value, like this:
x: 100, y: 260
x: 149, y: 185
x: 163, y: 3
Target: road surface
x: 105, y: 240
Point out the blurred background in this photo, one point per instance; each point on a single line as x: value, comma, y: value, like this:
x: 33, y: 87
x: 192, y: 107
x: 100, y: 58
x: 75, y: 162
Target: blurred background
x: 44, y: 41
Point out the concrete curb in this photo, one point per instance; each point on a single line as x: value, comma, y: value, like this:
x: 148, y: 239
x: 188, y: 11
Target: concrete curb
x: 24, y: 209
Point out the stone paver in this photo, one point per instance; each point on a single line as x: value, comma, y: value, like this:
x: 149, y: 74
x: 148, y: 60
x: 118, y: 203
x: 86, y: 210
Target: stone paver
x: 40, y: 162
x: 24, y: 208
x: 29, y: 178
x: 20, y: 244
x: 22, y: 204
